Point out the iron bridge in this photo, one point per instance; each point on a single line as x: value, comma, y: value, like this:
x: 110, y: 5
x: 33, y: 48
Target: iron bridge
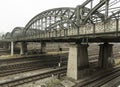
x: 91, y: 21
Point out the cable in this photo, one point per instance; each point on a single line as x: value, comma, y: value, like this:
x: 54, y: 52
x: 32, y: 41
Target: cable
x: 110, y: 9
x: 110, y: 4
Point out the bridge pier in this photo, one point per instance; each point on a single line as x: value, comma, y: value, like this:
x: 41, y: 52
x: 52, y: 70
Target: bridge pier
x: 43, y: 47
x: 1, y: 45
x: 105, y: 55
x: 6, y: 45
x: 78, y: 60
x: 12, y: 48
x: 23, y: 48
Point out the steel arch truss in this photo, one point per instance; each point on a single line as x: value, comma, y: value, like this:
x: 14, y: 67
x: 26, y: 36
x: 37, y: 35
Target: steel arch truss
x: 49, y: 17
x: 7, y: 36
x: 115, y: 15
x: 55, y: 19
x: 68, y: 21
x: 17, y: 32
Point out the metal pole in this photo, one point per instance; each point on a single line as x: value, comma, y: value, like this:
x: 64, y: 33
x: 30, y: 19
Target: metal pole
x: 91, y: 4
x: 12, y: 48
x: 106, y: 9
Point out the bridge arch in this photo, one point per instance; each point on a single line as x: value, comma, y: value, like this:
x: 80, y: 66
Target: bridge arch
x: 48, y: 17
x: 7, y: 35
x: 54, y: 17
x: 17, y: 32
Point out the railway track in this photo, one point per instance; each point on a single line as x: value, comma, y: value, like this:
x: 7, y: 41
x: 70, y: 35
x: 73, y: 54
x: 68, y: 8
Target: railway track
x: 36, y: 64
x: 100, y: 78
x: 25, y: 67
x: 31, y: 58
x: 21, y: 81
x: 19, y: 68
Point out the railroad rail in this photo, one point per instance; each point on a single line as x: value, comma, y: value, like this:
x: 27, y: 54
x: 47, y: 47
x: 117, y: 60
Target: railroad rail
x: 100, y: 78
x: 31, y: 58
x: 33, y: 78
x: 24, y: 67
x: 38, y: 64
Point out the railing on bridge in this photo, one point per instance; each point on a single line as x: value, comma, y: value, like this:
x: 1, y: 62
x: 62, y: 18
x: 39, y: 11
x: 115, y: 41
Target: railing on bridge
x: 110, y: 27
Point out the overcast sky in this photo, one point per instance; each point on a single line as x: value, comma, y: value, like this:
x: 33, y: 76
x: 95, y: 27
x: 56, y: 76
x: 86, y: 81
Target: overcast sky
x: 15, y: 13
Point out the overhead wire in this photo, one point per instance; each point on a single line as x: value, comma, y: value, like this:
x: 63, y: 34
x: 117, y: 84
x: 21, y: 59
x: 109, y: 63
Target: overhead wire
x: 110, y: 4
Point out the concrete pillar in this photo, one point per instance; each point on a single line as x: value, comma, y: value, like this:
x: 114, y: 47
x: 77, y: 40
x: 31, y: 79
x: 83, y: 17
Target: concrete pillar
x: 12, y: 48
x: 77, y: 60
x: 1, y: 45
x: 9, y: 46
x: 105, y: 55
x: 43, y: 47
x: 5, y: 45
x: 23, y: 48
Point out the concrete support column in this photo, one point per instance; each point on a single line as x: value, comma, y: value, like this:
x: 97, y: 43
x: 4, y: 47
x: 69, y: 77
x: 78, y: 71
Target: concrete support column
x: 12, y: 48
x: 23, y: 48
x: 9, y: 46
x: 105, y: 55
x: 5, y: 45
x: 43, y: 47
x: 1, y: 45
x: 77, y: 60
